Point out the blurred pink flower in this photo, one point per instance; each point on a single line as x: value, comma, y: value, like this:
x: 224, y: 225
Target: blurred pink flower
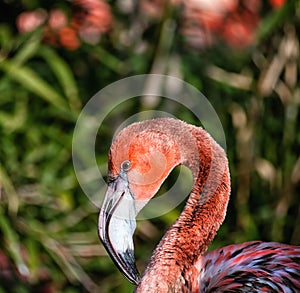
x: 95, y: 12
x: 197, y: 37
x: 29, y: 21
x: 152, y: 8
x: 57, y: 19
x: 92, y: 20
x: 234, y: 21
x: 215, y: 7
x: 238, y: 32
x: 90, y: 34
x: 277, y: 3
x: 68, y: 38
x: 57, y: 31
x: 252, y: 6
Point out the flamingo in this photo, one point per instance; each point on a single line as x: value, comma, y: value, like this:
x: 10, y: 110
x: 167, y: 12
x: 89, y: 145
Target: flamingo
x: 140, y: 158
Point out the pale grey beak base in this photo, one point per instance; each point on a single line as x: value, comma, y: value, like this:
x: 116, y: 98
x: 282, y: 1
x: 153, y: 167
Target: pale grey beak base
x: 116, y: 226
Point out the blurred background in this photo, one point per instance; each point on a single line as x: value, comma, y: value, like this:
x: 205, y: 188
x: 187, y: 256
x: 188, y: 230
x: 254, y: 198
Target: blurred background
x: 55, y: 55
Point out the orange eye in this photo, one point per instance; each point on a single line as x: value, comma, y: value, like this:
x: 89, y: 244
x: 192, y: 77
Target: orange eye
x: 126, y: 165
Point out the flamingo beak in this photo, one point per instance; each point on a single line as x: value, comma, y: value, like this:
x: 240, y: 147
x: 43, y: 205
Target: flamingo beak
x: 117, y: 224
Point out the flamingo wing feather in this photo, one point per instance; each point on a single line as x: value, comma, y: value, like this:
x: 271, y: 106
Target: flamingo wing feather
x: 250, y: 267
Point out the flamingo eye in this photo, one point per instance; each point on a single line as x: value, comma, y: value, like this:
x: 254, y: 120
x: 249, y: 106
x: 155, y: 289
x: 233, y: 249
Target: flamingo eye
x: 126, y: 165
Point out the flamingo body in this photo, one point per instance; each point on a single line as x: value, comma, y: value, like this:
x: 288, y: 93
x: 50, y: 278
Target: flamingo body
x: 249, y: 267
x: 140, y: 158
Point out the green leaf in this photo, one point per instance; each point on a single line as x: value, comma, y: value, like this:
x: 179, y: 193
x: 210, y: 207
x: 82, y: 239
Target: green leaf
x: 31, y: 81
x: 13, y: 243
x: 64, y: 76
x: 28, y: 50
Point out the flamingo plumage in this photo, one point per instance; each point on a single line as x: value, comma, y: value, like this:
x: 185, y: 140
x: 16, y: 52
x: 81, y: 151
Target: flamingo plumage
x: 140, y: 158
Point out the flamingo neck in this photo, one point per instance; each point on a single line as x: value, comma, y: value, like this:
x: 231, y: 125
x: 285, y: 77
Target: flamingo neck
x: 192, y: 232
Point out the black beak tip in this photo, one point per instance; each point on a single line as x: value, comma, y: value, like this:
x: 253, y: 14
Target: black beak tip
x: 124, y: 261
x: 132, y: 272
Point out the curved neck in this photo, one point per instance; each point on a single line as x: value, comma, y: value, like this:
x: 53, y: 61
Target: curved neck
x: 197, y: 225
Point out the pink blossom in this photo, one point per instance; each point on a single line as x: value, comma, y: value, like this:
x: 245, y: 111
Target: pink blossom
x: 68, y: 38
x: 277, y: 3
x: 233, y: 21
x: 29, y: 21
x: 238, y: 34
x: 97, y: 13
x: 90, y: 34
x: 92, y: 20
x: 152, y: 8
x: 215, y: 7
x: 57, y: 19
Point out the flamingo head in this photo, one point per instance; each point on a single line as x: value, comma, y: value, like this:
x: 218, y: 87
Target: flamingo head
x: 140, y: 158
